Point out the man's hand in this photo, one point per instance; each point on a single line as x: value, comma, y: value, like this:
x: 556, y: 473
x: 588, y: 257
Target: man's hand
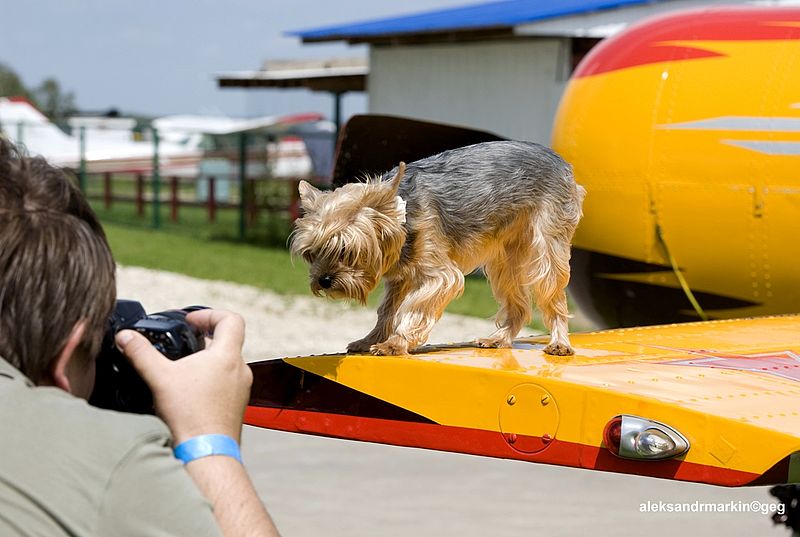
x: 207, y: 393
x: 203, y: 393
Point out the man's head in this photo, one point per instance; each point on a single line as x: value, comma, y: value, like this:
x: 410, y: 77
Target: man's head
x: 57, y: 285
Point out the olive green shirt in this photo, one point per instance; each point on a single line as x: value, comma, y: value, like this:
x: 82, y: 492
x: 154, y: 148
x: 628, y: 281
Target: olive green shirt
x: 69, y: 469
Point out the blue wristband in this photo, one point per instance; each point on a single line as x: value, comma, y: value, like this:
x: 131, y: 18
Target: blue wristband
x: 206, y: 445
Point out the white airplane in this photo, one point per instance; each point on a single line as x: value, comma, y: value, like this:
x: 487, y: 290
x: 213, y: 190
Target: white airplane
x: 184, y: 141
x: 304, y: 148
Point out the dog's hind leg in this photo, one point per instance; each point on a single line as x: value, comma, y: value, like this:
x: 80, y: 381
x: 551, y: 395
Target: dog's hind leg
x: 394, y: 293
x: 549, y: 272
x: 434, y: 286
x: 507, y: 276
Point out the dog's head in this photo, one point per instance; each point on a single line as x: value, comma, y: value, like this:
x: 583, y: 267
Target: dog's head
x: 351, y: 236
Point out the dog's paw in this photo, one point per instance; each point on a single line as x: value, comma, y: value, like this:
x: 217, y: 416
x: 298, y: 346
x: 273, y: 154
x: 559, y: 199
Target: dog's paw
x: 359, y: 347
x: 394, y: 346
x: 559, y: 349
x: 493, y: 343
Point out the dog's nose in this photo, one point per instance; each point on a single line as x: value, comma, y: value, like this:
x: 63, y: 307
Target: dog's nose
x: 325, y: 282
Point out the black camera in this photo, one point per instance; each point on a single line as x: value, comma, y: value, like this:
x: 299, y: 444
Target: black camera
x: 117, y: 385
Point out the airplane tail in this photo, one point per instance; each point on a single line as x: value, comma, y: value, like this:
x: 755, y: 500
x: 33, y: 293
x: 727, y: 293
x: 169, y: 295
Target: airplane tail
x: 26, y: 126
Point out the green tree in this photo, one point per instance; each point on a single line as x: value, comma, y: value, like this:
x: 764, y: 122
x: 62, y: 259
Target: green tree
x: 10, y: 83
x: 48, y: 97
x: 53, y: 102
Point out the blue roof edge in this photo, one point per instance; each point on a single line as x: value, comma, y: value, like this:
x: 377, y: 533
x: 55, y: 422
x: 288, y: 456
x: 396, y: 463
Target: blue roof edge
x: 504, y: 13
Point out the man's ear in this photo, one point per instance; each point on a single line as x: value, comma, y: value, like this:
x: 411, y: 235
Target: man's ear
x: 308, y: 194
x: 61, y: 372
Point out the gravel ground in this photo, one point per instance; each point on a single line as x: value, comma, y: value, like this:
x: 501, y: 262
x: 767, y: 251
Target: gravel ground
x: 321, y: 486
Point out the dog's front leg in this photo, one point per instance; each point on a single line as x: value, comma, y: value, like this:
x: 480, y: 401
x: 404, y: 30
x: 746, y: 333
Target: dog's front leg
x: 393, y: 295
x: 420, y: 310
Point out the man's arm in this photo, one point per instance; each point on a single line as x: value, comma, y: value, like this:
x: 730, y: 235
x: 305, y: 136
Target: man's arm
x: 207, y: 393
x: 237, y: 507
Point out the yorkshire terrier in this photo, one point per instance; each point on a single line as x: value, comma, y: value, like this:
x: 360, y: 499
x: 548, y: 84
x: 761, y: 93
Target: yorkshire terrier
x: 509, y: 207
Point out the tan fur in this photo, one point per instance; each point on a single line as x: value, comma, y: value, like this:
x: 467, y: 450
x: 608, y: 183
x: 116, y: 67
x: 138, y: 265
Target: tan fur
x: 355, y: 235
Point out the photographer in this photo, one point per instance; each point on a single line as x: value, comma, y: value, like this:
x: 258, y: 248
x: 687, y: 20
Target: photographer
x: 67, y: 468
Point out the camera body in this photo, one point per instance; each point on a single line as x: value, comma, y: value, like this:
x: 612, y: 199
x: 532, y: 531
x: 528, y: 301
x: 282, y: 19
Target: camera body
x: 117, y: 384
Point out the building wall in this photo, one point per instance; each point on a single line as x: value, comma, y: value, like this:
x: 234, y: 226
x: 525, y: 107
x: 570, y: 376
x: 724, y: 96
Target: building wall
x: 511, y: 88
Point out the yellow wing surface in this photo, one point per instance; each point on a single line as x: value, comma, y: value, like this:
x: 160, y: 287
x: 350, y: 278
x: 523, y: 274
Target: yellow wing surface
x: 731, y: 388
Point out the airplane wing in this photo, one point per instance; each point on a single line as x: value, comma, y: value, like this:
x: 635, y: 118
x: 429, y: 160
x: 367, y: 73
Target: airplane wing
x: 222, y: 125
x: 728, y: 389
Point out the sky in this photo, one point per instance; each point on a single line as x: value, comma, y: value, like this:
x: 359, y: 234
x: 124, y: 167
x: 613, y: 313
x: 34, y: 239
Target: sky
x: 158, y: 57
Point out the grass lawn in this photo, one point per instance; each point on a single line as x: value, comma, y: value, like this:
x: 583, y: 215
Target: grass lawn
x: 192, y: 222
x: 267, y: 268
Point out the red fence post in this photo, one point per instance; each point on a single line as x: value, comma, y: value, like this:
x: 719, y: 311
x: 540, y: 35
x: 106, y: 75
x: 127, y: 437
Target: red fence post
x: 212, y: 200
x: 139, y: 194
x: 107, y: 190
x: 174, y: 199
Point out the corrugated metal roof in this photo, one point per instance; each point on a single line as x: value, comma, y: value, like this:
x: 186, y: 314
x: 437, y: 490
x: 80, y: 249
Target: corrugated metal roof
x: 504, y: 14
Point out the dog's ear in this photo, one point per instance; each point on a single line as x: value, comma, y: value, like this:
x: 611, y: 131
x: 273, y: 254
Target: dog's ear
x: 395, y: 182
x: 382, y: 196
x: 308, y: 194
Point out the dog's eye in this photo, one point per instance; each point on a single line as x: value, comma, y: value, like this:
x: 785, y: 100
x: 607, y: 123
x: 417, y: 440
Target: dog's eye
x: 308, y: 256
x: 342, y: 253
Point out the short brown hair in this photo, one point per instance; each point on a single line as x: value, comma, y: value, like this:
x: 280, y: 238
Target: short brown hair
x: 56, y: 267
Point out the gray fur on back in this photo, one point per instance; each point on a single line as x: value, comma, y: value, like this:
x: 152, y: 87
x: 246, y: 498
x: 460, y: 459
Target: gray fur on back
x: 486, y: 183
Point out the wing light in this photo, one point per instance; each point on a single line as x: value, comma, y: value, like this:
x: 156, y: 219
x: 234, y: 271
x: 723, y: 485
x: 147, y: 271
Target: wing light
x: 632, y: 437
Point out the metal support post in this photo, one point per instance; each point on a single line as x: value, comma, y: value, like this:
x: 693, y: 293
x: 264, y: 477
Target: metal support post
x: 242, y: 183
x: 82, y: 180
x: 156, y: 183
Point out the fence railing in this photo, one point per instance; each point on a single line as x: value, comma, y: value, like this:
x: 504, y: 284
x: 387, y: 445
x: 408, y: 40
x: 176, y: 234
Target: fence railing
x: 175, y: 192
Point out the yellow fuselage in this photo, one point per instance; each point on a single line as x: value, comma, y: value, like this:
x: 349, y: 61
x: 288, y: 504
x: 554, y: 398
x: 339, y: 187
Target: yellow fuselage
x: 690, y: 123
